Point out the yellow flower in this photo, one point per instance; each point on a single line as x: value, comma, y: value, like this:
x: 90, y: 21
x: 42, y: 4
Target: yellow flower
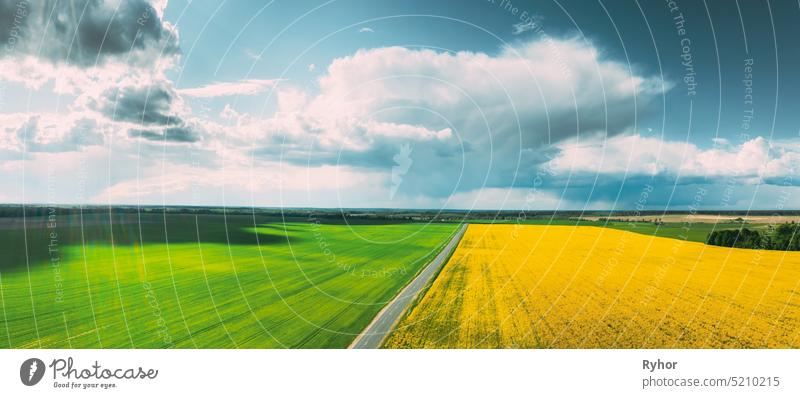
x: 582, y: 287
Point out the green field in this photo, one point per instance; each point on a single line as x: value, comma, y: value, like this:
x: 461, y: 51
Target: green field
x: 201, y: 281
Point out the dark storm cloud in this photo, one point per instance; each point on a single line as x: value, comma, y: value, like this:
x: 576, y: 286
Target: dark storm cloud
x: 85, y: 32
x: 182, y: 134
x: 154, y: 108
x: 645, y: 192
x: 149, y: 105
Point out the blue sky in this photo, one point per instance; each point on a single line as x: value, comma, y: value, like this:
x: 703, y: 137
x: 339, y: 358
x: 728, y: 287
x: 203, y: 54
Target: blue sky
x: 431, y: 104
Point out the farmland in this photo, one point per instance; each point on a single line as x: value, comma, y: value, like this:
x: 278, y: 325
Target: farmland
x: 129, y: 280
x: 691, y: 230
x: 564, y: 286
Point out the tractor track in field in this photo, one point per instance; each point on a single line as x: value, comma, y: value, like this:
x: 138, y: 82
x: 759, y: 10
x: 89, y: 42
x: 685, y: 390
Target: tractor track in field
x: 376, y: 332
x: 327, y: 323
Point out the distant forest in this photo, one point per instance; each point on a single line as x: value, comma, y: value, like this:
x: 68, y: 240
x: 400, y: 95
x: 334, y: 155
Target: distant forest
x: 780, y: 237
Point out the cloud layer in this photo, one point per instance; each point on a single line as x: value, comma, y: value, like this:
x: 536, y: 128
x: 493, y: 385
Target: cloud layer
x: 381, y: 127
x: 86, y: 32
x: 62, y: 39
x: 227, y: 89
x: 477, y: 119
x: 753, y: 161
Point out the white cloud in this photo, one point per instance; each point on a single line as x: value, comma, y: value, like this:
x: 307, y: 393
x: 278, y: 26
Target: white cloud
x: 252, y: 55
x: 522, y: 27
x: 754, y: 160
x: 49, y: 42
x: 366, y: 30
x: 50, y: 132
x: 483, y: 119
x: 227, y: 89
x: 112, y: 61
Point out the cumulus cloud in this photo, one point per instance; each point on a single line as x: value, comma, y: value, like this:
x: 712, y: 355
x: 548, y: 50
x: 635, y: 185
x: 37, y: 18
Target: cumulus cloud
x: 754, y: 161
x: 49, y: 132
x: 86, y: 32
x: 110, y: 55
x: 78, y: 43
x: 151, y: 113
x: 482, y: 119
x: 147, y: 105
x: 226, y: 89
x: 148, y: 109
x: 167, y: 134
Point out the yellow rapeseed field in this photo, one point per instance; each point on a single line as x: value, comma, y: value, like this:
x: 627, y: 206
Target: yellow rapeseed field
x: 583, y: 287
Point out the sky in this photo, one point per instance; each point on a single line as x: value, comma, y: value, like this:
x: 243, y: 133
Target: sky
x: 469, y: 104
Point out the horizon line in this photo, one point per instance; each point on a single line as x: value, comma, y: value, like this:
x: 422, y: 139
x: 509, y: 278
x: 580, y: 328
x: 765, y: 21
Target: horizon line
x: 654, y: 210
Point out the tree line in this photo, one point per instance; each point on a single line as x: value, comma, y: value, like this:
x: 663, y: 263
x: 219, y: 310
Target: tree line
x: 780, y: 237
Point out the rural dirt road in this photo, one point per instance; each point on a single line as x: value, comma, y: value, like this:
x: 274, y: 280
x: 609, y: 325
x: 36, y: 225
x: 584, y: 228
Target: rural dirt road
x: 377, y: 331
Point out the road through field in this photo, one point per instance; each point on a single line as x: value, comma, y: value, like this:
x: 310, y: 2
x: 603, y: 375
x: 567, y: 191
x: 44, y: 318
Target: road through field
x: 374, y: 334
